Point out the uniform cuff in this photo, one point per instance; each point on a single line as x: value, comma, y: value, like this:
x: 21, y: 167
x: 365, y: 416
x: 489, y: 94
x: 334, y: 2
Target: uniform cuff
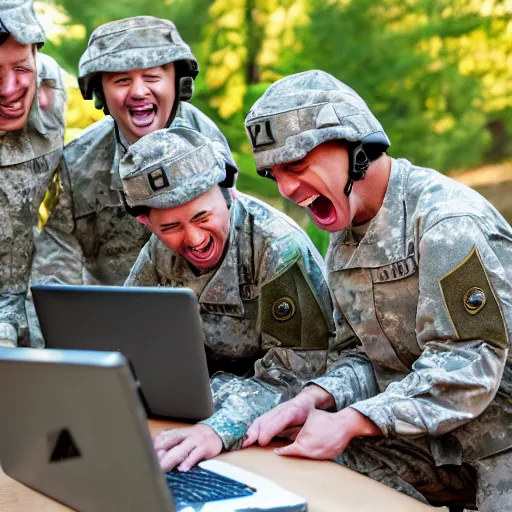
x: 232, y: 432
x: 379, y: 410
x: 332, y: 386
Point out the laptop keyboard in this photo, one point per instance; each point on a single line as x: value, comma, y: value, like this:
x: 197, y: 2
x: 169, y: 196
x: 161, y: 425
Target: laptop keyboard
x: 200, y: 485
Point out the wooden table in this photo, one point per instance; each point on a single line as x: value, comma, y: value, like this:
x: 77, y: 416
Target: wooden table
x: 327, y: 486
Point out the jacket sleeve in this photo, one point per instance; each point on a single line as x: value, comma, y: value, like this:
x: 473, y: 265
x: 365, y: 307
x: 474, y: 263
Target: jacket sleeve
x: 296, y: 332
x: 461, y: 324
x: 58, y: 256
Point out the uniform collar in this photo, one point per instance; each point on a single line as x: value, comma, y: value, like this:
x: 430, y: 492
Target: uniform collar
x: 385, y: 238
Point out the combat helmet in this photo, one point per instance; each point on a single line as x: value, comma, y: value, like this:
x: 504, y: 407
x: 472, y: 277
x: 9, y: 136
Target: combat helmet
x: 17, y: 18
x: 140, y: 42
x: 300, y: 112
x: 169, y: 168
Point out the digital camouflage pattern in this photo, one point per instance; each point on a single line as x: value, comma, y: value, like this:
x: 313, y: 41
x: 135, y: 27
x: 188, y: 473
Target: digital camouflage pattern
x: 428, y: 292
x: 51, y: 76
x: 28, y: 161
x: 265, y: 309
x: 302, y: 111
x: 423, y: 299
x: 18, y: 17
x: 90, y: 238
x: 269, y: 261
x: 141, y: 42
x: 169, y: 168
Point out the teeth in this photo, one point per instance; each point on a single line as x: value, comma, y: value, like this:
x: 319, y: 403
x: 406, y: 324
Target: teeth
x: 308, y: 201
x: 15, y: 106
x: 144, y: 108
x: 202, y: 248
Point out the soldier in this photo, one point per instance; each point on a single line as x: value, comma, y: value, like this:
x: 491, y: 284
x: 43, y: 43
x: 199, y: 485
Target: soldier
x: 420, y: 268
x: 141, y: 72
x: 264, y: 302
x: 30, y: 149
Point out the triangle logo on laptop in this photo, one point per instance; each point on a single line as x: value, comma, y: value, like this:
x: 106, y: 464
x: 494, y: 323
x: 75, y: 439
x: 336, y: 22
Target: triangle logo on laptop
x: 62, y: 446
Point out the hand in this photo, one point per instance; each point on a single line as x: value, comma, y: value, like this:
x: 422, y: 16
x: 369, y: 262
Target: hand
x: 6, y: 343
x: 186, y: 446
x: 287, y: 418
x: 326, y: 435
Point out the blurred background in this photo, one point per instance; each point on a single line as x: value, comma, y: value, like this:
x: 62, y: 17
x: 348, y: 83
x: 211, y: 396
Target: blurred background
x: 436, y: 73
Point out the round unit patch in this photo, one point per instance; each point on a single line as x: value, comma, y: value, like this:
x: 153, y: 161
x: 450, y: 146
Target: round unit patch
x: 283, y: 309
x: 474, y: 300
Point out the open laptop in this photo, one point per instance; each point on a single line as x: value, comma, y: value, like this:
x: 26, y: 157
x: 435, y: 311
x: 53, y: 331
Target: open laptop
x: 76, y: 431
x: 158, y: 329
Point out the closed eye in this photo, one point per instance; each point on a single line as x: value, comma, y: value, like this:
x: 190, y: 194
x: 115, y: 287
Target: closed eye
x: 168, y: 227
x: 298, y: 166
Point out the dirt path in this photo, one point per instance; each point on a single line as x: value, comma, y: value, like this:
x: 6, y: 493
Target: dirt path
x: 494, y: 182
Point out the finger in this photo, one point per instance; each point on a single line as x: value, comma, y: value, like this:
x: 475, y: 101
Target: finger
x: 169, y: 438
x: 196, y: 455
x: 176, y: 455
x: 274, y: 426
x: 160, y: 453
x: 252, y: 434
x: 292, y: 450
x: 290, y: 433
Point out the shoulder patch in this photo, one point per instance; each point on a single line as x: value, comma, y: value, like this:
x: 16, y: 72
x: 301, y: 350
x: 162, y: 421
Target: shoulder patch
x: 290, y: 313
x: 468, y: 293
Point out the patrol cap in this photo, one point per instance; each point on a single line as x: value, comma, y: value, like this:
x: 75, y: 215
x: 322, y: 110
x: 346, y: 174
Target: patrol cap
x: 141, y: 42
x: 169, y: 168
x: 17, y: 18
x: 301, y: 111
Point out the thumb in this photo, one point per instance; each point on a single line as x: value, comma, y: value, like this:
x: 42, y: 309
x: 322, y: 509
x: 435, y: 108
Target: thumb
x: 292, y: 450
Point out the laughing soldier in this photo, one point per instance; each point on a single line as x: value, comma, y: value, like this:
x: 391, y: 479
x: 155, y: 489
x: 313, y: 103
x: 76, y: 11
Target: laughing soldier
x: 265, y: 306
x: 421, y: 271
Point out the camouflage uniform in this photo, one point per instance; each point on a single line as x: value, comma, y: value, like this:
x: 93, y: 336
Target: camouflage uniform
x: 426, y: 286
x: 28, y: 159
x: 89, y: 238
x: 265, y: 308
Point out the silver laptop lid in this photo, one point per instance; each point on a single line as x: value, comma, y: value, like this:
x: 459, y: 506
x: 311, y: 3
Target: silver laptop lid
x: 70, y: 413
x: 158, y: 329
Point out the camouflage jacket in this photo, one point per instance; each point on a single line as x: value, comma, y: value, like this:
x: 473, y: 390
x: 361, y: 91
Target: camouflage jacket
x: 428, y: 291
x: 266, y: 312
x: 28, y: 161
x: 89, y: 237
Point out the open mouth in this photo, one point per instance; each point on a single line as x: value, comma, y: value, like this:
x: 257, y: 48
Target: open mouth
x: 322, y: 209
x: 13, y: 110
x: 202, y: 256
x: 143, y: 115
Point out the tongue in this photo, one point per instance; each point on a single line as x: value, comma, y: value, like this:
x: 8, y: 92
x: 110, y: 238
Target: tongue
x: 322, y: 208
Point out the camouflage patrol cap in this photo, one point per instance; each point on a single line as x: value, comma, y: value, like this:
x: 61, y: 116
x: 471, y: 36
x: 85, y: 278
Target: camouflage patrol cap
x: 169, y: 168
x: 17, y: 18
x: 301, y: 111
x: 141, y: 42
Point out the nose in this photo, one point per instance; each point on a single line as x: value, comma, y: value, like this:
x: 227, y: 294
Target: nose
x: 8, y: 84
x: 194, y: 236
x: 287, y: 183
x: 139, y: 89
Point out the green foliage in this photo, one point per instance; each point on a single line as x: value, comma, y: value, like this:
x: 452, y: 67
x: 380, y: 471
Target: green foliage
x: 436, y: 73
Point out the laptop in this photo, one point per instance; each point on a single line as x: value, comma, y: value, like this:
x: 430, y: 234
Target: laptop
x: 158, y: 329
x: 77, y: 432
